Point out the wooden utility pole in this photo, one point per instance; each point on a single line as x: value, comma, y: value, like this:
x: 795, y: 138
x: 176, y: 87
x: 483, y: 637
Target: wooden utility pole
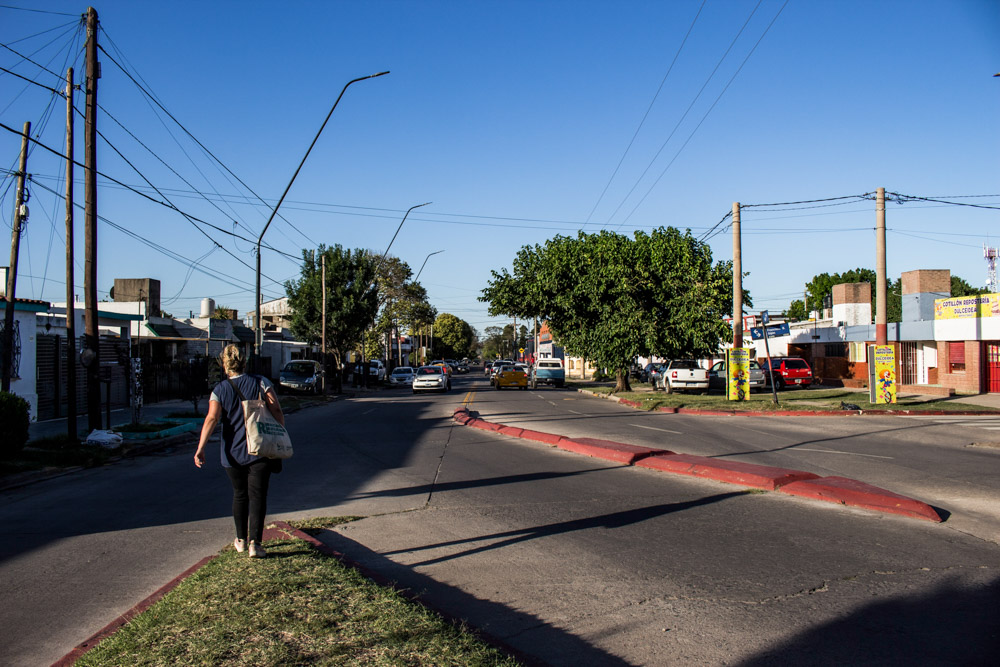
x: 15, y: 244
x: 737, y: 279
x: 70, y: 293
x: 91, y: 351
x: 881, y: 289
x: 323, y: 325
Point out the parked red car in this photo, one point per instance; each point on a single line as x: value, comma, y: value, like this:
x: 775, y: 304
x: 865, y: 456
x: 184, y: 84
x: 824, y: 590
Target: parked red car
x: 789, y: 372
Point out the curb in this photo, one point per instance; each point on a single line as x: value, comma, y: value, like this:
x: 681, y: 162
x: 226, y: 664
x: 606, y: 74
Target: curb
x: 840, y: 490
x: 111, y: 628
x: 785, y: 413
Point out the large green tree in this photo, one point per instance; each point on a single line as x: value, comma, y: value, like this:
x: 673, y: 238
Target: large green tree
x: 454, y: 338
x: 350, y: 303
x: 959, y: 287
x: 611, y: 298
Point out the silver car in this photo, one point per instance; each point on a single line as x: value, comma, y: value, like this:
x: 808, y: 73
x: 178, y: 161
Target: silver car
x: 717, y: 376
x: 401, y: 375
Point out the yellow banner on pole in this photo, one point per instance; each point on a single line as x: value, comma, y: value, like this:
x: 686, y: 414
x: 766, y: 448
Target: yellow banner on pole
x: 885, y: 374
x: 738, y: 374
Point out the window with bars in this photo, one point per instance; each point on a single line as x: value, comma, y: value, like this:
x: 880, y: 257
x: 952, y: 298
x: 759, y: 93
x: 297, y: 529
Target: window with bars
x: 956, y: 357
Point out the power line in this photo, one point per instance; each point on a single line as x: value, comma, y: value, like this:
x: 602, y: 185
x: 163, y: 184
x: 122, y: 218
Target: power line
x: 37, y: 11
x: 902, y: 199
x: 166, y: 204
x: 683, y: 116
x: 152, y: 97
x: 703, y: 118
x: 646, y: 115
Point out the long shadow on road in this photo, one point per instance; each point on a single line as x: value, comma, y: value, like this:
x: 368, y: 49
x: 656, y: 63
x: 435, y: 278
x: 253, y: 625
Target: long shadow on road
x: 612, y: 520
x: 534, y: 640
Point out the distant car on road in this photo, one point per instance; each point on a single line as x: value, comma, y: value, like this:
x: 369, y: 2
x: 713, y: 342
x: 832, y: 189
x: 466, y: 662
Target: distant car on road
x: 548, y: 371
x: 401, y: 375
x: 431, y: 378
x: 510, y: 375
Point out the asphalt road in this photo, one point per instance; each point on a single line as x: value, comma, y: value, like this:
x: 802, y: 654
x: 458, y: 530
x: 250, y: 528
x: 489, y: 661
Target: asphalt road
x: 570, y: 560
x: 949, y: 462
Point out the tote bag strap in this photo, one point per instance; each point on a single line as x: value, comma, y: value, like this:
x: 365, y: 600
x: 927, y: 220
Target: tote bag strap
x: 236, y: 389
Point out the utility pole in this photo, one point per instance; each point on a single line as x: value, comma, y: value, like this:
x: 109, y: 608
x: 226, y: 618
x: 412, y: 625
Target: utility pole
x: 323, y: 326
x: 514, y: 353
x: 70, y: 295
x: 881, y: 289
x: 92, y: 348
x: 737, y: 279
x: 20, y: 215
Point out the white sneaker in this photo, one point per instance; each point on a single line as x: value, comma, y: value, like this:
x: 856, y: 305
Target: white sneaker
x: 239, y: 545
x: 257, y: 550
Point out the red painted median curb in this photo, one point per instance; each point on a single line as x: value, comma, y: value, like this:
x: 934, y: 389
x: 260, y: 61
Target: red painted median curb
x: 731, y: 472
x: 607, y: 449
x: 793, y: 482
x: 858, y: 494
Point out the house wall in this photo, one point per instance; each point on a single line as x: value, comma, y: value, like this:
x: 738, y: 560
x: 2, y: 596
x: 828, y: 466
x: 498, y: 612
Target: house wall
x: 968, y: 380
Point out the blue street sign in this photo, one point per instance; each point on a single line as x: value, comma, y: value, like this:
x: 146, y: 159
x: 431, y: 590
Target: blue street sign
x: 764, y: 317
x: 756, y: 333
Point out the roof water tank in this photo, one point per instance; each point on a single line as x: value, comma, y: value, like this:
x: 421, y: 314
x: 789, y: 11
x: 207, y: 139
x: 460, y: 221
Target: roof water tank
x: 207, y: 307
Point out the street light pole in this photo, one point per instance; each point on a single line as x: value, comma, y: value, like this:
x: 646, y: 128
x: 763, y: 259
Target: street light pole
x: 438, y: 252
x: 258, y: 334
x: 375, y: 279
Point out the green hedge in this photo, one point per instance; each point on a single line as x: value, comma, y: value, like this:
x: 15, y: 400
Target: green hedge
x: 14, y: 420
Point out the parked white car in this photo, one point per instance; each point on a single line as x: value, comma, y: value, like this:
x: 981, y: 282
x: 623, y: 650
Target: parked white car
x: 683, y: 375
x: 376, y: 370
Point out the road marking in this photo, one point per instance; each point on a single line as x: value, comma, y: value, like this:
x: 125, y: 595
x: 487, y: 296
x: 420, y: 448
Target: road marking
x: 367, y: 411
x: 469, y: 397
x: 653, y: 428
x: 834, y: 451
x: 978, y: 421
x: 578, y: 413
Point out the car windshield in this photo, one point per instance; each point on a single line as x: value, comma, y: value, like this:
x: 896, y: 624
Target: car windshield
x: 797, y: 364
x: 299, y: 369
x: 549, y: 364
x: 754, y: 366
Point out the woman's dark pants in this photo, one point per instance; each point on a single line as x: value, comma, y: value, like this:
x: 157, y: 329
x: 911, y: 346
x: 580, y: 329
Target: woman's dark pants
x: 250, y: 499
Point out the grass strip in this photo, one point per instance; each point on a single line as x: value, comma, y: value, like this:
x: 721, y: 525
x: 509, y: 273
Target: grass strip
x: 295, y: 607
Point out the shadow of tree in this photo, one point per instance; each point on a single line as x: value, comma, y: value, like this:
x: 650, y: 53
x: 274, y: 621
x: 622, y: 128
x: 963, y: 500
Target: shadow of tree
x: 951, y: 626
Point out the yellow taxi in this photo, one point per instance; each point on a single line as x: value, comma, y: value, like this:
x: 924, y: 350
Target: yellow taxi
x: 510, y: 375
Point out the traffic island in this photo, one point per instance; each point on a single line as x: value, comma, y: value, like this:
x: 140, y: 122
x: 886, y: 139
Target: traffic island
x: 841, y: 490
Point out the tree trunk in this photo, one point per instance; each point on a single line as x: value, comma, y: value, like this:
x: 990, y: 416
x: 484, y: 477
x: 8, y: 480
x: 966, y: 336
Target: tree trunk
x: 621, y: 382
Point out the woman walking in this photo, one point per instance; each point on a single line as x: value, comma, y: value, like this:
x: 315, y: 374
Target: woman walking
x: 249, y: 474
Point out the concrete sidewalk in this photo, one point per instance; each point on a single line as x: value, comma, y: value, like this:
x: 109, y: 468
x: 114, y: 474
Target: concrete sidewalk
x: 150, y: 412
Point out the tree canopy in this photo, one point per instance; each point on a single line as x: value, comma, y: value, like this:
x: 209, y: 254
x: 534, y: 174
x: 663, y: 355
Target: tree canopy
x: 454, y: 338
x: 611, y: 298
x: 822, y: 284
x: 351, y: 304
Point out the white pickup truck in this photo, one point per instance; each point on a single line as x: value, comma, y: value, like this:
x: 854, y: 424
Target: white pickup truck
x: 683, y: 375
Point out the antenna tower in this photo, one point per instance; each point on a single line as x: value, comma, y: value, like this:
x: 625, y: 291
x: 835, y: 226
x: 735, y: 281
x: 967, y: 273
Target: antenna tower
x: 990, y: 255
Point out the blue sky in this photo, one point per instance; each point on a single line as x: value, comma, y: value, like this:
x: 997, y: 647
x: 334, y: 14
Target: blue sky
x: 511, y: 117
